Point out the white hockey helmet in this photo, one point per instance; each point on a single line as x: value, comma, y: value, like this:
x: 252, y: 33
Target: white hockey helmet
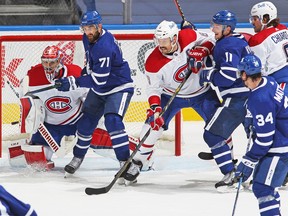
x: 166, y: 29
x: 264, y: 8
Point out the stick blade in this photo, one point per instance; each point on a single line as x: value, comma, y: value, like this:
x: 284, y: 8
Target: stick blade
x: 96, y: 191
x: 205, y: 155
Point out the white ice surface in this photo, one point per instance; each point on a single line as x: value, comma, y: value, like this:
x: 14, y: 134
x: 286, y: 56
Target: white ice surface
x: 181, y: 185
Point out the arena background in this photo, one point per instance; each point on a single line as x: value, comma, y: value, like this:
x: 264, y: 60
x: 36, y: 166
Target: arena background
x: 34, y: 16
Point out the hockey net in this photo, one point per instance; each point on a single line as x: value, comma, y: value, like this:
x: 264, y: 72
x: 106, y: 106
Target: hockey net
x: 19, y: 53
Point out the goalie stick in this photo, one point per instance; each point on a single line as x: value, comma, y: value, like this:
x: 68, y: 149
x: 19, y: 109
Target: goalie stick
x: 102, y: 190
x: 42, y: 89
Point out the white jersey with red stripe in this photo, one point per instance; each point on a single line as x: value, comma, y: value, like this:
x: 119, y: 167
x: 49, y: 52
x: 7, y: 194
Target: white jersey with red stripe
x: 61, y: 108
x: 271, y: 46
x: 166, y: 72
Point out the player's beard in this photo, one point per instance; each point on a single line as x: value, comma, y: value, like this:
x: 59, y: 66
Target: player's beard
x: 93, y: 37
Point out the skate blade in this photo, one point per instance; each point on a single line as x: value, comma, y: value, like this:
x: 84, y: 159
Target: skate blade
x: 229, y: 189
x: 121, y: 181
x: 67, y: 175
x: 130, y: 183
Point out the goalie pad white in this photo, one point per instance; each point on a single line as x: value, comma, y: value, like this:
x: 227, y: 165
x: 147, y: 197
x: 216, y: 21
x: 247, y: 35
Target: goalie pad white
x: 15, y: 153
x: 38, y: 156
x: 32, y: 114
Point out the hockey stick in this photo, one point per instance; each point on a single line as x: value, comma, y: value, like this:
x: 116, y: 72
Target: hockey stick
x: 102, y: 190
x: 42, y: 89
x: 11, y: 86
x: 241, y: 177
x: 179, y: 10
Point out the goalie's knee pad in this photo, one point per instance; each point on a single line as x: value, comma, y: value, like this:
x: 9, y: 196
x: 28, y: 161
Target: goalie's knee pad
x: 38, y: 156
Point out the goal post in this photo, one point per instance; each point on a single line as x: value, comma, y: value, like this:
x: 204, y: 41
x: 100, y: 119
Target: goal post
x: 20, y: 52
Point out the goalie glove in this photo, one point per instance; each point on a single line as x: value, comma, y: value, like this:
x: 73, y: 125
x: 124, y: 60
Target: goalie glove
x: 153, y: 118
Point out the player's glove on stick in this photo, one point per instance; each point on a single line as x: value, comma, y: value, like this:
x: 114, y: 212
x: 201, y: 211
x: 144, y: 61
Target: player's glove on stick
x: 245, y: 168
x: 248, y: 126
x: 206, y: 76
x: 66, y: 83
x: 195, y: 59
x: 187, y: 25
x: 153, y: 118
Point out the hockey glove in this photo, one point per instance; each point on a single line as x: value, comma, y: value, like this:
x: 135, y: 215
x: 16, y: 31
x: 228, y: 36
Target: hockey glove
x: 245, y: 169
x: 66, y: 83
x: 248, y: 125
x: 186, y: 24
x: 153, y: 118
x: 206, y: 76
x: 195, y: 59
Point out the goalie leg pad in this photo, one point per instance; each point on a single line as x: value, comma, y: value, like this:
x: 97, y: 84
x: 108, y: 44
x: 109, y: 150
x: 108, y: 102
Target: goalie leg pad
x: 15, y: 153
x: 36, y: 158
x: 101, y: 139
x: 32, y: 114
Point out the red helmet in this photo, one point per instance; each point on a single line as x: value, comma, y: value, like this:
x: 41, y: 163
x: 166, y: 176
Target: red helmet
x: 52, y: 61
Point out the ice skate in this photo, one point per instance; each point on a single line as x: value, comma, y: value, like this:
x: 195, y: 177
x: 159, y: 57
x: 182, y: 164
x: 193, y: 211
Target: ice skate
x: 133, y: 172
x: 227, y: 184
x: 121, y: 180
x: 73, y: 165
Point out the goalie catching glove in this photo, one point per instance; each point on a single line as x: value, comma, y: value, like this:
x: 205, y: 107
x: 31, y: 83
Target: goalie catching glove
x: 153, y: 118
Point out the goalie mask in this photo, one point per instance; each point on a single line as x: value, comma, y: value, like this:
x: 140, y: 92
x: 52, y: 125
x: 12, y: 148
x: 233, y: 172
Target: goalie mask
x: 52, y: 61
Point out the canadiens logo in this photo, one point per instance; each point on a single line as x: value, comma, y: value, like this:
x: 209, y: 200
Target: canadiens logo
x: 58, y: 104
x: 180, y: 73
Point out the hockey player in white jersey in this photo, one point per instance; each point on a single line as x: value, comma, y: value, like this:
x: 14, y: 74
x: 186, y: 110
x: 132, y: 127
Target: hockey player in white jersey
x: 59, y: 111
x: 270, y: 43
x: 165, y: 69
x: 268, y: 156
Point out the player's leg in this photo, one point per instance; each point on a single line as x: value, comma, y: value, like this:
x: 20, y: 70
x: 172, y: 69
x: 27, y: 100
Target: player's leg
x: 115, y: 109
x: 225, y: 120
x: 147, y: 150
x: 92, y: 112
x: 268, y: 176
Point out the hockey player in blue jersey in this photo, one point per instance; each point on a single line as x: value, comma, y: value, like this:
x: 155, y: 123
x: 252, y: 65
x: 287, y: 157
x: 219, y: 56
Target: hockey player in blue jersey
x: 10, y: 205
x: 111, y: 87
x: 230, y: 47
x: 268, y: 156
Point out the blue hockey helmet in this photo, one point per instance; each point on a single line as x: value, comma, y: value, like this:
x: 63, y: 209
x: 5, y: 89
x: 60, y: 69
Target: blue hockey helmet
x: 225, y: 17
x: 251, y: 64
x: 91, y: 18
